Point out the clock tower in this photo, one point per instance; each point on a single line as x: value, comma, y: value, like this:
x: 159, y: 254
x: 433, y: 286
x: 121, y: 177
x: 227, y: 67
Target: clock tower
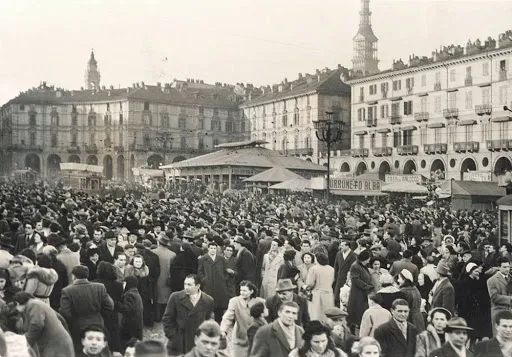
x: 92, y: 74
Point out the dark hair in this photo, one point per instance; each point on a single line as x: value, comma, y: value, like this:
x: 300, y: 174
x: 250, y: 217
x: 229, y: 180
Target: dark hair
x: 117, y: 253
x: 4, y: 274
x: 210, y: 328
x: 279, y: 242
x: 257, y: 310
x: 376, y: 298
x: 451, y: 249
x: 93, y: 328
x: 44, y: 261
x: 22, y: 297
x: 399, y: 302
x: 289, y: 304
x: 311, y: 255
x: 106, y: 271
x: 315, y: 328
x: 150, y: 347
x: 407, y: 254
x: 250, y: 286
x: 322, y: 259
x: 502, y: 315
x: 502, y: 260
x: 212, y: 244
x: 131, y: 343
x: 29, y: 253
x: 364, y: 256
x: 197, y: 279
x: 289, y: 255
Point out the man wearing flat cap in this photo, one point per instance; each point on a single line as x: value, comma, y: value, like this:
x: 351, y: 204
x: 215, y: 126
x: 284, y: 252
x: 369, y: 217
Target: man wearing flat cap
x: 83, y: 303
x: 336, y: 319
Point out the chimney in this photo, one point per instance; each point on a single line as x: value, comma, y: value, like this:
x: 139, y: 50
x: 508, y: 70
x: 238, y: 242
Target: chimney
x: 300, y: 75
x: 111, y: 87
x: 103, y: 88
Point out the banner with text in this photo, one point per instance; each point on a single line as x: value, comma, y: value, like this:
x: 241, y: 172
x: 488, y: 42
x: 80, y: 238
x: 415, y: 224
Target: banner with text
x: 404, y: 178
x: 349, y: 184
x: 477, y: 176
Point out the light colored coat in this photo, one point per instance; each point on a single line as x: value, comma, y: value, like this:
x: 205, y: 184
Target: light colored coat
x: 40, y: 283
x: 162, y: 288
x: 269, y: 271
x: 320, y: 280
x: 238, y: 314
x: 501, y: 300
x: 270, y: 341
x: 426, y: 342
x: 375, y: 316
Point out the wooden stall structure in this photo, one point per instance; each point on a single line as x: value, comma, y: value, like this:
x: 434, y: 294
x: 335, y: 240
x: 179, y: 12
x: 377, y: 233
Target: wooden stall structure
x: 82, y: 177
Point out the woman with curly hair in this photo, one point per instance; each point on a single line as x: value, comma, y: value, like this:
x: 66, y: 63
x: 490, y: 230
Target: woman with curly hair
x: 317, y: 342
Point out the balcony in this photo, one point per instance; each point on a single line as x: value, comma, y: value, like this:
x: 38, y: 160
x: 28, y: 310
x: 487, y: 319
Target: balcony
x: 437, y: 86
x: 483, y: 109
x: 371, y: 122
x: 407, y: 150
x: 431, y: 149
x: 451, y: 113
x: 297, y: 152
x: 382, y: 151
x: 119, y: 148
x: 463, y: 146
x: 468, y: 81
x: 73, y: 149
x: 359, y: 152
x: 498, y: 145
x: 23, y: 147
x: 91, y: 149
x: 395, y: 119
x: 384, y: 94
x: 502, y: 74
x: 421, y: 116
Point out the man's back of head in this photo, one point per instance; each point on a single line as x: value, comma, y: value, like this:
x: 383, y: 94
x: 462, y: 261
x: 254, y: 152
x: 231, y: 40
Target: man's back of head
x: 150, y: 348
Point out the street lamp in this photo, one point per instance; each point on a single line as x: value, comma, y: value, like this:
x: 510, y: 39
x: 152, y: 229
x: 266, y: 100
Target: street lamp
x: 328, y: 131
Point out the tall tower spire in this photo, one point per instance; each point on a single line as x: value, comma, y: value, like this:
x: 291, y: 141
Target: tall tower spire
x: 365, y: 59
x: 92, y: 74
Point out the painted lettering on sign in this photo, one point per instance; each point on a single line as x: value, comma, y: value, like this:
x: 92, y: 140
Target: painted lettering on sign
x: 403, y: 178
x: 355, y: 185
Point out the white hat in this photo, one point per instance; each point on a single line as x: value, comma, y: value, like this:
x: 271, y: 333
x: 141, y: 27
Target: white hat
x: 470, y: 267
x: 407, y: 275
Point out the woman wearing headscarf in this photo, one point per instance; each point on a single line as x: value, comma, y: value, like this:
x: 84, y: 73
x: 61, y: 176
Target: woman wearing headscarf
x: 413, y: 297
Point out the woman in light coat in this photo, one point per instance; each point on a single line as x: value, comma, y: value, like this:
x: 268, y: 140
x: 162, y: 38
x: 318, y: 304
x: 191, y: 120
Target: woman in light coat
x: 41, y: 278
x: 239, y: 315
x: 320, y: 281
x: 271, y: 263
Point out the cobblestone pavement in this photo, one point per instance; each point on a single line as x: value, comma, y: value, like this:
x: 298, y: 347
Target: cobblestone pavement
x: 155, y: 333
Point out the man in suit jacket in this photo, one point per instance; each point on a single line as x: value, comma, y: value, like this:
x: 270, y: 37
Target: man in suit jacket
x: 107, y: 250
x: 456, y: 339
x: 24, y: 239
x: 405, y: 263
x: 397, y: 337
x: 492, y: 347
x: 498, y: 292
x: 278, y: 338
x: 284, y: 293
x: 246, y: 263
x: 186, y: 310
x: 342, y: 263
x: 83, y: 303
x: 443, y: 293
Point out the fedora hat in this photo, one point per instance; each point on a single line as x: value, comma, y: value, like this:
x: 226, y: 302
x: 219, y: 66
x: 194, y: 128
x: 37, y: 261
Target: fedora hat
x: 443, y: 269
x: 457, y: 323
x: 164, y: 240
x: 284, y: 285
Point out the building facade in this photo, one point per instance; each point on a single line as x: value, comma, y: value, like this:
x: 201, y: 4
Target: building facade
x: 442, y: 117
x: 283, y: 114
x: 139, y: 126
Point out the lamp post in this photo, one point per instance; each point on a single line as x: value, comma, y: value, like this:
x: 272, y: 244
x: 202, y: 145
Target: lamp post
x: 164, y: 138
x: 328, y: 131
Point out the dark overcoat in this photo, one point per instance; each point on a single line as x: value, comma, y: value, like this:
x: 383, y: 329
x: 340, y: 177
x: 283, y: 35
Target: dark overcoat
x: 246, y: 267
x: 358, y: 296
x: 393, y: 342
x: 444, y: 296
x: 413, y: 297
x: 131, y: 309
x: 270, y: 341
x: 447, y: 350
x: 489, y: 348
x: 274, y: 302
x: 341, y: 269
x: 181, y: 320
x: 213, y: 276
x: 115, y: 291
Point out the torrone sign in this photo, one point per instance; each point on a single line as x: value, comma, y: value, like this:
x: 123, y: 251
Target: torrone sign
x: 355, y: 185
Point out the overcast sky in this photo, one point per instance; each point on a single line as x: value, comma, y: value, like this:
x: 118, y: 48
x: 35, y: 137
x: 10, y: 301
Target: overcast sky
x: 250, y: 41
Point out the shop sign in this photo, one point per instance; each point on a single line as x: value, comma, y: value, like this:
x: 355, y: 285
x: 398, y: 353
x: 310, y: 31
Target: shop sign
x: 355, y: 184
x: 478, y: 176
x: 403, y: 178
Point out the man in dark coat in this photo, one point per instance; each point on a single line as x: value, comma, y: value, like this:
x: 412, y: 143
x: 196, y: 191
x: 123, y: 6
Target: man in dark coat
x: 83, y: 303
x: 443, y: 292
x: 107, y: 250
x: 492, y: 347
x: 405, y: 263
x: 24, y: 239
x: 246, y: 263
x: 271, y: 340
x: 213, y: 272
x: 397, y: 337
x: 361, y: 287
x: 344, y: 260
x: 284, y: 293
x: 207, y: 340
x: 185, y: 311
x: 457, y: 337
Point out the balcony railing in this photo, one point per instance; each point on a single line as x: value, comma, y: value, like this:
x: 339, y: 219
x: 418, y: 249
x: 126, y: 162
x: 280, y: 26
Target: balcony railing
x: 437, y: 86
x: 23, y: 147
x: 483, y: 109
x: 468, y: 81
x: 502, y: 74
x: 407, y: 150
x: 297, y: 152
x: 451, y: 113
x: 498, y: 145
x: 395, y: 119
x: 73, y: 149
x: 359, y: 152
x: 91, y: 149
x: 431, y: 149
x: 371, y: 122
x: 421, y: 116
x: 382, y: 151
x: 463, y: 146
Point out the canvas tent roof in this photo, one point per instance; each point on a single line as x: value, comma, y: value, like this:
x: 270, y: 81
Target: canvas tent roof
x: 275, y: 174
x: 472, y: 188
x: 405, y: 187
x: 298, y: 184
x: 73, y: 166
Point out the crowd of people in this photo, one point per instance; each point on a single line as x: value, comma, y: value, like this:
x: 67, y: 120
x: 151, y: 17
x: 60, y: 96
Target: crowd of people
x: 245, y: 275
